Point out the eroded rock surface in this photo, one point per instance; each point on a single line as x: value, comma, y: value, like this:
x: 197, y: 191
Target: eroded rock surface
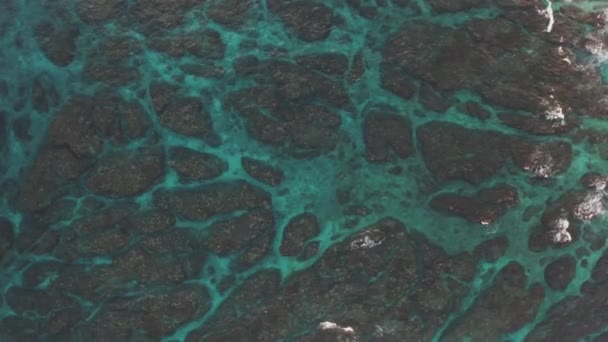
x: 485, y: 207
x: 386, y: 251
x: 127, y: 174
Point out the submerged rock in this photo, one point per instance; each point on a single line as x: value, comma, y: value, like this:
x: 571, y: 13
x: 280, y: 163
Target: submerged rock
x: 298, y: 231
x: 98, y: 12
x: 505, y: 307
x: 386, y: 134
x: 262, y: 171
x: 543, y: 160
x: 309, y: 21
x: 127, y: 174
x: 58, y: 43
x: 454, y: 152
x: 485, y: 207
x: 207, y: 201
x: 559, y: 273
x: 193, y: 165
x: 352, y: 305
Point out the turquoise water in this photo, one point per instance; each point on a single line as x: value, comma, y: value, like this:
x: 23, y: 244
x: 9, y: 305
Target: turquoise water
x: 348, y: 170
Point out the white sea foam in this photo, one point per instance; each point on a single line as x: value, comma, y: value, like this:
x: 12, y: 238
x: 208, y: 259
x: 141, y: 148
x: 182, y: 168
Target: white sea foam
x: 548, y: 13
x: 560, y: 236
x: 559, y: 232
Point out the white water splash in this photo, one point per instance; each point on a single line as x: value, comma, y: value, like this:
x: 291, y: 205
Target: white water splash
x: 591, y: 206
x: 345, y: 334
x: 598, y: 50
x: 554, y: 112
x: 560, y: 236
x: 559, y: 233
x: 366, y: 241
x: 542, y: 164
x: 548, y: 13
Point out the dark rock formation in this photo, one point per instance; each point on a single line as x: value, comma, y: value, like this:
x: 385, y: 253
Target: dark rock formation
x: 327, y: 63
x: 262, y: 171
x: 205, y: 44
x: 560, y: 272
x: 543, y: 160
x: 485, y: 207
x: 97, y: 12
x: 385, y: 134
x: 207, y: 201
x: 298, y: 231
x: 48, y: 178
x: 193, y: 165
x: 504, y: 307
x: 146, y: 316
x: 229, y: 12
x: 57, y: 43
x: 339, y: 281
x: 585, y: 309
x: 309, y: 21
x: 250, y: 235
x: 127, y: 173
x: 474, y: 110
x: 454, y: 152
x: 7, y: 237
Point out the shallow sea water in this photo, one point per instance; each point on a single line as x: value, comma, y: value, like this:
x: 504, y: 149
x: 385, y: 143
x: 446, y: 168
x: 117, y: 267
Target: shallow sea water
x: 262, y: 170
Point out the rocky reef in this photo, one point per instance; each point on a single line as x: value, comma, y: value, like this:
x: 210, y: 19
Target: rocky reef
x: 349, y: 170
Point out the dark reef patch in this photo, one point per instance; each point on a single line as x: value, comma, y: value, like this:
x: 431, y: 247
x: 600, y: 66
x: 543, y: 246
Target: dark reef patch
x: 357, y: 170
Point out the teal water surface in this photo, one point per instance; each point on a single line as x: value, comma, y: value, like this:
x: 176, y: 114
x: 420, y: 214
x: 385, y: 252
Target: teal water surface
x: 261, y: 170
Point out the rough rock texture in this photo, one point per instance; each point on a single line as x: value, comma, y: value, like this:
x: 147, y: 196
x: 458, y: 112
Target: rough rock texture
x: 262, y: 171
x: 400, y: 261
x: 585, y: 310
x: 102, y: 232
x: 44, y: 94
x: 127, y: 173
x: 385, y: 134
x: 193, y: 165
x: 311, y: 128
x: 559, y: 273
x: 207, y: 201
x: 158, y: 15
x: 433, y: 100
x: 97, y: 12
x: 49, y: 177
x: 298, y: 231
x: 83, y: 123
x: 7, y: 236
x: 485, y: 207
x: 454, y: 152
x: 228, y: 12
x: 534, y: 124
x: 468, y: 55
x: 543, y: 160
x: 473, y: 109
x: 397, y: 84
x: 308, y: 21
x: 57, y: 43
x: 593, y: 181
x: 112, y: 61
x: 206, y: 44
x: 503, y: 308
x: 327, y: 63
x: 185, y: 116
x: 129, y: 87
x: 442, y: 6
x: 146, y: 316
x: 250, y: 235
